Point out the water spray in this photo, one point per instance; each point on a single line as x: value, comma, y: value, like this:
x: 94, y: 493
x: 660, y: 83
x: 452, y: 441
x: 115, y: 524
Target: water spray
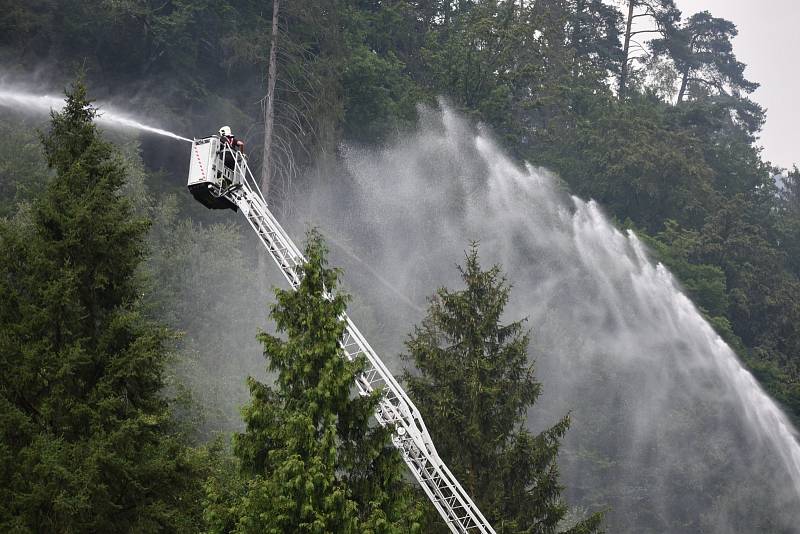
x: 116, y: 118
x: 105, y: 115
x: 670, y: 432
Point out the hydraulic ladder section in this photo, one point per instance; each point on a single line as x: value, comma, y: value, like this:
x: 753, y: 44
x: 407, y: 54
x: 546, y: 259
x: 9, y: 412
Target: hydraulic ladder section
x: 395, y: 408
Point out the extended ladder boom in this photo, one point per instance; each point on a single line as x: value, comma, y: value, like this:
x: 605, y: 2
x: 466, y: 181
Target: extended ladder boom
x: 234, y: 183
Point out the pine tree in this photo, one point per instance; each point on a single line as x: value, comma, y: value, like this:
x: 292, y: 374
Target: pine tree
x: 310, y: 458
x: 86, y: 439
x: 702, y: 52
x: 474, y: 388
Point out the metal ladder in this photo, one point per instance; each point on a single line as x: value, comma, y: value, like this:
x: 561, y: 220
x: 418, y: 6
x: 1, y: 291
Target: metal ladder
x: 410, y: 435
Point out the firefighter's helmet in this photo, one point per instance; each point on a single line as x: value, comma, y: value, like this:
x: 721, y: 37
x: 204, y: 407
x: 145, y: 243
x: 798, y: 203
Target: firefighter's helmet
x: 225, y: 131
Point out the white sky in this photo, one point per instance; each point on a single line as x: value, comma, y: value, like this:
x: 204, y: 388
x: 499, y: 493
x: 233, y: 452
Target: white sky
x: 769, y: 44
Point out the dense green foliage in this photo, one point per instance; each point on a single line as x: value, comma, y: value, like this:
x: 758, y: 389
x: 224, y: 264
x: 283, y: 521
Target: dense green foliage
x: 666, y: 143
x: 88, y: 442
x: 474, y: 388
x: 310, y: 459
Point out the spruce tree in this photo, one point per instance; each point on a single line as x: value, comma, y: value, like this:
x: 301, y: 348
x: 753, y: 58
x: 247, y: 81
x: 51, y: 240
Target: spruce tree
x: 789, y: 224
x: 310, y: 458
x: 474, y: 388
x: 86, y: 439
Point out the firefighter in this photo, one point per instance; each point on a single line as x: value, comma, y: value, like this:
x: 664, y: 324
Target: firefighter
x: 226, y: 137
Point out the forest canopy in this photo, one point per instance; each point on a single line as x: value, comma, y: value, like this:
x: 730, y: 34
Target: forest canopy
x: 108, y: 346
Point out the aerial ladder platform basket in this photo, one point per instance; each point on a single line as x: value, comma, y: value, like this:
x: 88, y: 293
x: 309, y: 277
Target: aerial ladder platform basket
x: 220, y: 178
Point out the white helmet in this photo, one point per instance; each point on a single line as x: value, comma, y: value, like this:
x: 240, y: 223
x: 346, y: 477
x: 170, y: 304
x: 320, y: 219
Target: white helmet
x: 225, y: 131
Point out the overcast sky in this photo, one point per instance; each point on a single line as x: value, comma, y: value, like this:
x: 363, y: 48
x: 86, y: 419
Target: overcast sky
x: 769, y: 44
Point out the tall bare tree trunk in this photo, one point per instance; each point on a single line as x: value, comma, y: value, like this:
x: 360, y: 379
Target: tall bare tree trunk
x: 269, y: 105
x: 684, y: 82
x: 269, y: 123
x: 623, y: 73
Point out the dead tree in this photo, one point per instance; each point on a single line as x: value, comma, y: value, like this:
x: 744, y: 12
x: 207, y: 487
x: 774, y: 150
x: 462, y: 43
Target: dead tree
x: 269, y: 103
x: 662, y: 15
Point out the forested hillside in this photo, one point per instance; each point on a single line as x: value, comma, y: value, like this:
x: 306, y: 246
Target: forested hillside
x: 663, y: 135
x: 666, y: 144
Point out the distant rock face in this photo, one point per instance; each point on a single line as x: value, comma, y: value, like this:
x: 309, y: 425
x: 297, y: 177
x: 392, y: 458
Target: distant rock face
x: 669, y: 431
